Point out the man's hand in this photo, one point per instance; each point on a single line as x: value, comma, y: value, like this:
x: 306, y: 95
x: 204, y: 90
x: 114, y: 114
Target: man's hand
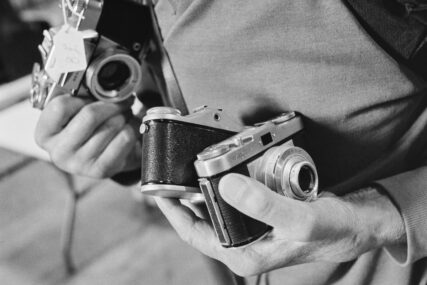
x: 84, y: 137
x: 329, y: 229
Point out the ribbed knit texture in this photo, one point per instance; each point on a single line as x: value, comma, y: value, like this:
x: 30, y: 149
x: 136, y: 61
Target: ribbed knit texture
x: 256, y: 59
x: 408, y: 190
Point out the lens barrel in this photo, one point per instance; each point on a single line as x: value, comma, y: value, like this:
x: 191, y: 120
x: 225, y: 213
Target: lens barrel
x: 290, y: 171
x: 114, y: 76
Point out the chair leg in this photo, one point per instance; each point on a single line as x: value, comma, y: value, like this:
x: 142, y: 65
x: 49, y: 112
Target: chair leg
x: 67, y: 235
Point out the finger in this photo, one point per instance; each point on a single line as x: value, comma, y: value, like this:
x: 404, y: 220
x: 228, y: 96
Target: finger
x: 326, y: 194
x: 259, y: 202
x: 56, y: 115
x: 114, y: 157
x: 103, y: 136
x: 196, y: 232
x: 85, y: 122
x: 133, y: 159
x: 199, y: 209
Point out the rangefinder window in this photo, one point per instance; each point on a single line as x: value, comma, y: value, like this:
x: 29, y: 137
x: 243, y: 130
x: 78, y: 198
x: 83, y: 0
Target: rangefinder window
x: 266, y: 139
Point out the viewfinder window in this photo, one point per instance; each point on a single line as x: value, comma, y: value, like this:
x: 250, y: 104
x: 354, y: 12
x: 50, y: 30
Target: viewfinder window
x: 266, y: 139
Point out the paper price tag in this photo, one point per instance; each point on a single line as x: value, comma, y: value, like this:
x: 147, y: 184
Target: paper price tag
x: 51, y: 66
x: 67, y: 54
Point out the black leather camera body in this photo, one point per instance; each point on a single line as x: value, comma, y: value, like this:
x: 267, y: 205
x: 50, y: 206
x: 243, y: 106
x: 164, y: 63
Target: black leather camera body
x: 170, y: 145
x: 267, y: 153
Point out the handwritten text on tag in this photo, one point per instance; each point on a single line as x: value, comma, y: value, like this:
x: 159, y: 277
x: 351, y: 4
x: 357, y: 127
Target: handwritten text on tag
x: 68, y: 53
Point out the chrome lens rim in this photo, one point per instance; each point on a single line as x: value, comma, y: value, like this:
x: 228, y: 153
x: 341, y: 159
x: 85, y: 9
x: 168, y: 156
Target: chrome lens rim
x: 280, y: 169
x: 126, y: 90
x: 297, y: 173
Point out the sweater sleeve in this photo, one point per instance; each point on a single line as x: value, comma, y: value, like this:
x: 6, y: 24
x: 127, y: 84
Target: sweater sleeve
x: 409, y: 193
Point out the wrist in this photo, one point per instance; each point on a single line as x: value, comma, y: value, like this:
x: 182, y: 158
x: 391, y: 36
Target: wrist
x: 379, y: 219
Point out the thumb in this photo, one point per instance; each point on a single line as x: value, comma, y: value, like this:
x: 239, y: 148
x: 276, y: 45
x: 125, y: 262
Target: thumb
x: 261, y: 203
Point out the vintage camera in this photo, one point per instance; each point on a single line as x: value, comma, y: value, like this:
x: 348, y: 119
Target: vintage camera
x: 170, y: 145
x: 267, y: 153
x: 116, y: 36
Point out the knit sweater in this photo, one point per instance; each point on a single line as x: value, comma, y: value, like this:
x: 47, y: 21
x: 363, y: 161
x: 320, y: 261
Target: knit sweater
x: 364, y: 114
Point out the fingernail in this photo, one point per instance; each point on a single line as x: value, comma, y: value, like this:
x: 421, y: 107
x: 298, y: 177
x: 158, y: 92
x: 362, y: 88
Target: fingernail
x: 233, y: 187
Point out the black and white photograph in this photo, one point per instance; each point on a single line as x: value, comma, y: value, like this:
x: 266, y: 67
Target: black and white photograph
x: 214, y: 142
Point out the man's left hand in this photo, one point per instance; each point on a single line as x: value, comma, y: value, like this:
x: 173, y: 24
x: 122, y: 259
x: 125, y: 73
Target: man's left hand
x: 331, y: 228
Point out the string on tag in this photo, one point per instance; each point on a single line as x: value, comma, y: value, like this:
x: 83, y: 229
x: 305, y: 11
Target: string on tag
x: 68, y: 7
x: 64, y: 12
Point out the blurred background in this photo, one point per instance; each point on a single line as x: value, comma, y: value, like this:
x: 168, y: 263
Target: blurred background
x: 61, y: 229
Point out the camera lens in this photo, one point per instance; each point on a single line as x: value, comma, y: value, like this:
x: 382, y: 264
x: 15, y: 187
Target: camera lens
x: 289, y: 170
x: 113, y: 75
x: 306, y: 179
x: 302, y: 177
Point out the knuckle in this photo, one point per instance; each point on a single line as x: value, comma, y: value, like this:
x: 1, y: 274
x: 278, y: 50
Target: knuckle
x: 74, y: 166
x: 127, y: 136
x: 60, y: 161
x: 91, y: 166
x: 64, y: 159
x: 115, y: 123
x: 88, y: 115
x: 100, y: 171
x: 58, y: 156
x: 261, y: 205
x: 97, y: 172
x: 58, y: 106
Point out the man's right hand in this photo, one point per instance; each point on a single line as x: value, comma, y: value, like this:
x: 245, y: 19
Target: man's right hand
x: 90, y: 138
